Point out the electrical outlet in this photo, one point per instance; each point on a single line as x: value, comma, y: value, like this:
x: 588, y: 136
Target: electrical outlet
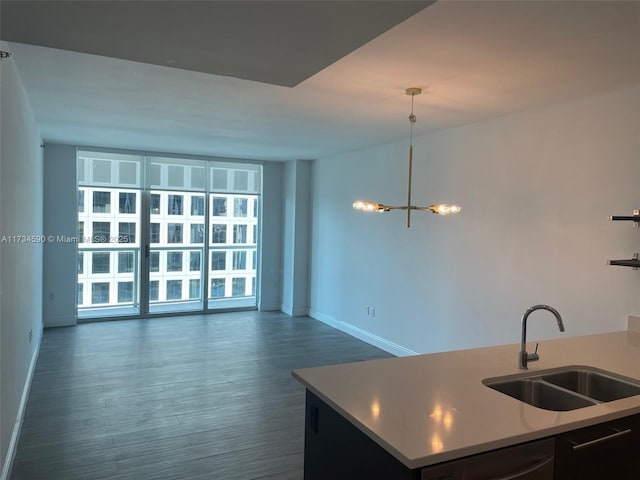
x: 372, y: 311
x: 30, y: 334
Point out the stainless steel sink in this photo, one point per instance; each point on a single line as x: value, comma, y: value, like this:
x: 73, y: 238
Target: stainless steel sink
x: 542, y: 395
x: 602, y: 387
x: 566, y: 388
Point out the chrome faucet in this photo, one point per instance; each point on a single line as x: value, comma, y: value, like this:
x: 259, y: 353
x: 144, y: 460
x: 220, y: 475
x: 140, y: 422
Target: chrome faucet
x: 524, y: 358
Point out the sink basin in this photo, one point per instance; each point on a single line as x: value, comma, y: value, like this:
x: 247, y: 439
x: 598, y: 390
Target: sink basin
x: 565, y: 388
x: 602, y: 387
x: 542, y: 395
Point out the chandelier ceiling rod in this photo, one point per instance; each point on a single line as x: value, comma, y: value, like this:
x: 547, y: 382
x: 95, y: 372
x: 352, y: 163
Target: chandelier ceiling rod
x: 412, y: 120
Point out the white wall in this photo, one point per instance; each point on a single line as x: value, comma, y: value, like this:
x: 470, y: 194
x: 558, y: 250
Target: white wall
x: 295, y: 238
x: 535, y: 190
x: 60, y: 219
x: 270, y: 251
x: 20, y: 263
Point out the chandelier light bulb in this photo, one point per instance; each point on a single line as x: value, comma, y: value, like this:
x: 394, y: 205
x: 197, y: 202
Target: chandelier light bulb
x: 444, y: 209
x: 367, y: 206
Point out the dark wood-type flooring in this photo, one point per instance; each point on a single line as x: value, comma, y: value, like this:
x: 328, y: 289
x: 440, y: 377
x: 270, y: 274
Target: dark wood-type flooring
x: 190, y: 398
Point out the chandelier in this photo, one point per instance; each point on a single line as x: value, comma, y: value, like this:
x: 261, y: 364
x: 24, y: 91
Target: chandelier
x: 442, y: 209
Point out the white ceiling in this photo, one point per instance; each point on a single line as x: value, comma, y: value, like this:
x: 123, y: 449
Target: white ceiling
x: 475, y: 60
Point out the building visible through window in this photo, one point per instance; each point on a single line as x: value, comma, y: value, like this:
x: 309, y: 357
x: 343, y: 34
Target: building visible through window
x: 174, y: 289
x: 101, y: 202
x: 197, y: 206
x: 175, y: 205
x: 127, y: 202
x: 100, y: 292
x: 174, y: 261
x: 219, y: 233
x: 219, y: 206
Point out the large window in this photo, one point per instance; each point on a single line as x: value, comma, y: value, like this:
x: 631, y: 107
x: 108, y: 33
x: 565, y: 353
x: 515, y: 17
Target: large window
x: 199, y: 222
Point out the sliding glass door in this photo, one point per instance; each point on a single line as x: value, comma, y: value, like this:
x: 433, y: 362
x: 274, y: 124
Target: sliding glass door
x: 109, y: 199
x: 176, y: 236
x: 173, y: 235
x: 234, y: 195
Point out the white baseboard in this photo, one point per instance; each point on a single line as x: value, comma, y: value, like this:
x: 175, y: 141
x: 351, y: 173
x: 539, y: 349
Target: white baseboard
x: 363, y: 335
x: 15, y: 436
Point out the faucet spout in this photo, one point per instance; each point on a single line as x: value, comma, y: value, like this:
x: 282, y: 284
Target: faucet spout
x: 523, y: 357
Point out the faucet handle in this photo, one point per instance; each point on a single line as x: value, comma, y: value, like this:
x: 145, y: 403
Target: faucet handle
x: 532, y: 357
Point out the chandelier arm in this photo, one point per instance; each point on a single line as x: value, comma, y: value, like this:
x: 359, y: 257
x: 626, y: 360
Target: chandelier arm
x: 394, y: 207
x: 430, y: 208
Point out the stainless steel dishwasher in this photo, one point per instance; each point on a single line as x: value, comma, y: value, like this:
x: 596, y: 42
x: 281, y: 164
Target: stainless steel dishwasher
x: 529, y: 461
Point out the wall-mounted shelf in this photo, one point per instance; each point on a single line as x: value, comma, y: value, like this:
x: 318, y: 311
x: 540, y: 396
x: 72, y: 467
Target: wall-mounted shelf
x: 633, y: 218
x: 631, y: 262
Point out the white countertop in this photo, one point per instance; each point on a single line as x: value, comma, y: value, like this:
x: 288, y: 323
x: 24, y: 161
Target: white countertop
x: 427, y: 409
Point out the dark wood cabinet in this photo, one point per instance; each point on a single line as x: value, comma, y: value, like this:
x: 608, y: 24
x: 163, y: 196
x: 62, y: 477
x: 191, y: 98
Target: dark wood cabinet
x: 526, y: 461
x: 609, y: 450
x: 336, y: 449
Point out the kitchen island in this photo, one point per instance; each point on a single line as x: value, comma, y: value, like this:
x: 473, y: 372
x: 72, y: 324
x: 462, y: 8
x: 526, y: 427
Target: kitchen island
x: 424, y: 410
